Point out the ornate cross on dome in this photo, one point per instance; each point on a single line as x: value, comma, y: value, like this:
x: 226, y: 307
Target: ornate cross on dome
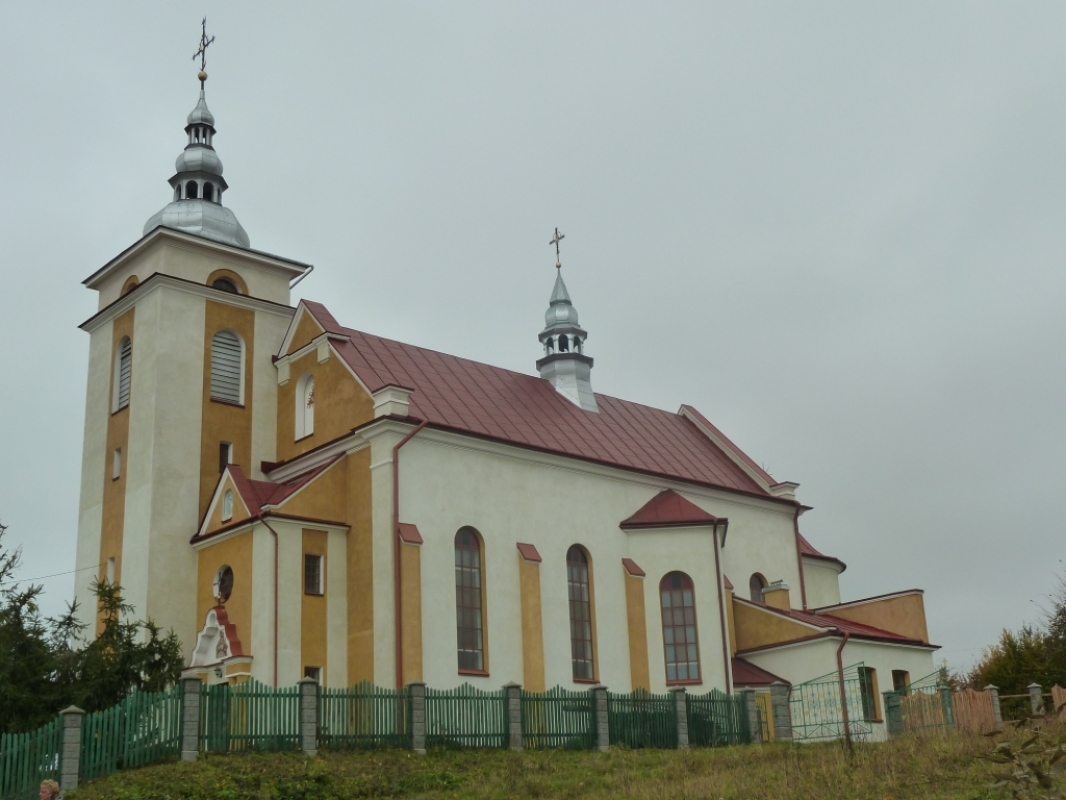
x: 555, y: 240
x: 201, y: 53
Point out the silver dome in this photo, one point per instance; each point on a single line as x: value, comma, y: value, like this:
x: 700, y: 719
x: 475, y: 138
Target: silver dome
x: 200, y: 218
x: 560, y: 310
x: 201, y: 115
x: 199, y: 159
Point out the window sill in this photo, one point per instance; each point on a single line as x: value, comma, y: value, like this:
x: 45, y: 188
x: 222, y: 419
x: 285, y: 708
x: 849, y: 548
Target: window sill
x: 479, y: 673
x: 305, y: 436
x: 315, y: 594
x: 120, y: 410
x: 697, y: 682
x: 230, y: 403
x: 585, y: 680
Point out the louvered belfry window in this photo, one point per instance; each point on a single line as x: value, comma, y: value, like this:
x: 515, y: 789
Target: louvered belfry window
x: 680, y: 636
x: 123, y: 370
x: 577, y: 579
x: 468, y: 611
x: 226, y: 367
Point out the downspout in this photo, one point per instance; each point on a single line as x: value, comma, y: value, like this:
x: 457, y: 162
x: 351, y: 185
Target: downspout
x: 398, y: 600
x: 262, y: 518
x: 799, y: 557
x: 843, y: 694
x: 721, y: 615
x: 309, y: 271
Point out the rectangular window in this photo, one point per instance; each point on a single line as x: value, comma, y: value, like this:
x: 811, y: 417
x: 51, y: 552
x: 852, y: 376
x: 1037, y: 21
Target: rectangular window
x: 313, y: 672
x: 313, y: 573
x: 225, y: 455
x: 111, y: 570
x: 901, y: 679
x: 868, y: 690
x: 116, y: 464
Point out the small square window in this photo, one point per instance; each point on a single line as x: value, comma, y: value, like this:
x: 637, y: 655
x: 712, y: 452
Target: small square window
x: 116, y: 464
x: 313, y: 573
x: 225, y: 455
x: 314, y: 673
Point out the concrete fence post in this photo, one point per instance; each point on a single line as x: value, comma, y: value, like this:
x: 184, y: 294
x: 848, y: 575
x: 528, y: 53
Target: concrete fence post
x: 309, y: 716
x: 513, y: 694
x: 681, y: 708
x: 893, y: 712
x: 997, y: 714
x: 190, y: 718
x: 599, y: 707
x: 1036, y: 700
x: 751, y: 711
x: 780, y: 711
x: 70, y: 748
x: 417, y: 691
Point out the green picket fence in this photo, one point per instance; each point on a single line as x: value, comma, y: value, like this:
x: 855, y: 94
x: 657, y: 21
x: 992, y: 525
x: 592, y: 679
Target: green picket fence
x: 26, y: 759
x: 558, y: 718
x: 817, y: 710
x: 717, y: 719
x: 144, y: 727
x: 466, y: 717
x: 363, y: 715
x: 642, y: 719
x: 249, y: 716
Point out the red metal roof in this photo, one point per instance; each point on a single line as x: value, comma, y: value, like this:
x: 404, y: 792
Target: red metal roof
x: 467, y: 396
x: 668, y: 509
x: 807, y: 549
x: 259, y: 494
x: 529, y: 552
x: 633, y: 568
x: 747, y: 674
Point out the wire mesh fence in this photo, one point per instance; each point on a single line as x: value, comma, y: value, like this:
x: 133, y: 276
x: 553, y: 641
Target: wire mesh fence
x: 818, y: 706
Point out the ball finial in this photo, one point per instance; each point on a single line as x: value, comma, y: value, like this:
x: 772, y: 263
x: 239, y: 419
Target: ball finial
x: 202, y: 76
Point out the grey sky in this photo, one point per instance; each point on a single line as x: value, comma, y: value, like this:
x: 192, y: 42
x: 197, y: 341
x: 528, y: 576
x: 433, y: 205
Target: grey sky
x: 835, y: 228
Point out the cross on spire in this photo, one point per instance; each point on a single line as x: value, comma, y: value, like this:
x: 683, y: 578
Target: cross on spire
x: 201, y: 53
x: 555, y: 240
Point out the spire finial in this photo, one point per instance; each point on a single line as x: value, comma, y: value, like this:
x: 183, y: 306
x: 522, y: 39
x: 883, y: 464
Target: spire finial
x: 555, y: 240
x: 201, y: 53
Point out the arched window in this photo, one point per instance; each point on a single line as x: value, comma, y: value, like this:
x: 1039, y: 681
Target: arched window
x: 209, y: 192
x: 130, y: 284
x: 469, y: 614
x: 223, y: 583
x: 123, y: 373
x: 564, y: 344
x: 226, y: 285
x: 227, y: 367
x: 756, y: 586
x: 190, y: 190
x: 580, y: 594
x: 227, y: 506
x: 680, y: 637
x: 305, y: 405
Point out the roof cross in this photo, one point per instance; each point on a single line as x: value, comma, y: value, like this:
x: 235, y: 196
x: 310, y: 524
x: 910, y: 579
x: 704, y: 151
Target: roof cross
x: 201, y: 53
x: 555, y: 240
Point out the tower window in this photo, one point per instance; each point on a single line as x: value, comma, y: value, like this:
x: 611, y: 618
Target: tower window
x: 227, y: 363
x: 209, y: 192
x: 226, y: 285
x: 111, y: 570
x: 470, y: 622
x: 225, y: 455
x: 680, y: 636
x: 116, y: 464
x: 227, y: 506
x: 123, y: 373
x: 313, y: 573
x: 305, y: 405
x: 564, y: 344
x: 578, y: 589
x: 190, y: 190
x: 223, y: 583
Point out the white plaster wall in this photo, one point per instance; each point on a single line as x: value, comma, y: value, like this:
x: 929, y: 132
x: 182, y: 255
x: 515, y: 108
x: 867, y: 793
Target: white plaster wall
x: 269, y: 331
x: 384, y: 599
x: 261, y: 645
x: 761, y: 538
x: 290, y: 601
x: 175, y: 336
x: 554, y: 503
x: 93, y: 466
x: 337, y: 608
x: 823, y: 583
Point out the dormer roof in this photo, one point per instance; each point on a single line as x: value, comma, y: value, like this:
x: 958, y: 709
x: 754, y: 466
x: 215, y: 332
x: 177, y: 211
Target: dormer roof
x: 668, y: 509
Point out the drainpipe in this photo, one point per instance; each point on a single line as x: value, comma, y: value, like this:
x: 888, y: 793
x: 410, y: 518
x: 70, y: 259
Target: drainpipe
x: 843, y: 695
x: 721, y: 615
x: 262, y: 518
x: 799, y: 557
x: 398, y: 600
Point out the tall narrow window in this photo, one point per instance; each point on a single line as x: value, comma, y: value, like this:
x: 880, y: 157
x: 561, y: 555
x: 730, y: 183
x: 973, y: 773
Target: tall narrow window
x: 756, y: 586
x: 868, y: 687
x: 313, y: 573
x: 901, y: 679
x: 680, y: 637
x: 227, y: 506
x: 225, y: 456
x: 123, y: 372
x: 470, y: 623
x: 116, y: 464
x: 227, y: 362
x: 305, y: 405
x: 577, y: 579
x: 111, y: 570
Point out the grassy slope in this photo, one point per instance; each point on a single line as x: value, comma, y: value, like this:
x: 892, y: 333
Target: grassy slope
x: 930, y: 768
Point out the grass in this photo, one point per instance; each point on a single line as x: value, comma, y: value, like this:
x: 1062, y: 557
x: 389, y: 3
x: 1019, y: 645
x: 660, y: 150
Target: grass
x: 907, y: 767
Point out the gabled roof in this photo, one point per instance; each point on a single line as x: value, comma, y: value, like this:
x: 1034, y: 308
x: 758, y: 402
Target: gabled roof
x: 807, y: 550
x: 457, y: 394
x: 747, y: 674
x: 668, y: 509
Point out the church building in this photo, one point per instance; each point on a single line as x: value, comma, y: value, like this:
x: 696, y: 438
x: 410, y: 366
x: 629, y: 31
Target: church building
x: 295, y: 497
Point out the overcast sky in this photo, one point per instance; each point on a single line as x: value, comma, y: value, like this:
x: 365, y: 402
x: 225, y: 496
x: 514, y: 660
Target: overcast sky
x: 835, y: 228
